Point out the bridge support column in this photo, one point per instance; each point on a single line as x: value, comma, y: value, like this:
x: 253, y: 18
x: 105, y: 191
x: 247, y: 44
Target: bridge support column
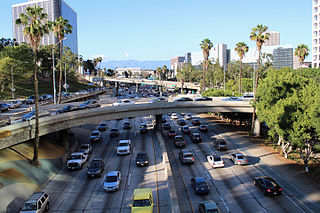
x: 117, y: 88
x: 158, y: 122
x: 257, y: 128
x: 137, y: 88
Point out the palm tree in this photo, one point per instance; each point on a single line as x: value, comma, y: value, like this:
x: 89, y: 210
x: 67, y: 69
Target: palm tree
x: 61, y: 27
x: 259, y: 35
x: 302, y: 51
x: 164, y: 71
x: 205, y: 45
x: 241, y: 48
x: 35, y: 26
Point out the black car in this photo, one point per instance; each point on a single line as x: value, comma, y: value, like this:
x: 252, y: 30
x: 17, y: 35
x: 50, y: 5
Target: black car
x: 89, y: 104
x: 114, y: 132
x: 163, y: 120
x: 200, y: 186
x: 196, y: 122
x: 181, y: 122
x: 127, y: 125
x: 203, y: 99
x: 102, y: 126
x: 267, y: 185
x: 96, y: 168
x: 166, y: 126
x: 143, y: 128
x: 183, y: 99
x: 196, y: 137
x: 203, y: 128
x: 4, y: 107
x: 142, y: 159
x: 68, y: 108
x: 171, y: 133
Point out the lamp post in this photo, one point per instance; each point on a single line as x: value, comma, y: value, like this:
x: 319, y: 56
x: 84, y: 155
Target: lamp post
x: 53, y: 73
x: 65, y: 77
x: 12, y: 84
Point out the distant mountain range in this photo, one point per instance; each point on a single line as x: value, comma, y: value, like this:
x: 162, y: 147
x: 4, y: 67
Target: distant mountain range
x: 135, y: 64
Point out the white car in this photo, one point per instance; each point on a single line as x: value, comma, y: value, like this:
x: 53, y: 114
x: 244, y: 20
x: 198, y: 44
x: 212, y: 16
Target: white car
x: 174, y: 116
x: 215, y: 161
x: 77, y: 160
x: 124, y: 147
x: 112, y: 181
x: 123, y: 102
x: 238, y: 158
x: 188, y: 116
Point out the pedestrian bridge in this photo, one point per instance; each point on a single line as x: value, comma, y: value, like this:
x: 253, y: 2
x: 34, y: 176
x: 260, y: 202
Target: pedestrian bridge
x: 23, y: 131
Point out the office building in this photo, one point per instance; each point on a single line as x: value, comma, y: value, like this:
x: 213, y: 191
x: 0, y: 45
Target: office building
x: 54, y: 9
x: 220, y: 54
x: 282, y: 57
x: 177, y: 63
x: 315, y: 34
x: 274, y: 39
x: 187, y: 58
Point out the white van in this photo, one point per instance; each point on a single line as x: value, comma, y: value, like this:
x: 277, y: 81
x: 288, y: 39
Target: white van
x: 37, y: 203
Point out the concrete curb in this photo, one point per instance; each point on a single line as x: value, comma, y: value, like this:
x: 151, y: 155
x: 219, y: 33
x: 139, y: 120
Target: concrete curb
x: 173, y: 194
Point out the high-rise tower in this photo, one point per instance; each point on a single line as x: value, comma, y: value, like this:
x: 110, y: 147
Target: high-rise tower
x: 315, y: 34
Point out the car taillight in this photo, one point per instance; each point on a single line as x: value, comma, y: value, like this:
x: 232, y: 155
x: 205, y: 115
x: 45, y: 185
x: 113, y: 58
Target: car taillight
x: 280, y: 189
x: 268, y: 190
x: 239, y: 160
x: 192, y: 158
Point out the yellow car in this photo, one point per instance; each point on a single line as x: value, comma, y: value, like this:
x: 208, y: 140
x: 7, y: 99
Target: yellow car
x: 142, y: 201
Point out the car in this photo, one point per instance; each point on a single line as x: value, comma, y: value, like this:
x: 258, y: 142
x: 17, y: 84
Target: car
x: 174, y: 116
x: 37, y: 202
x: 142, y: 159
x: 143, y: 128
x: 126, y: 125
x: 231, y: 99
x: 181, y: 122
x: 68, y: 108
x: 102, y: 126
x: 208, y: 207
x: 220, y: 144
x: 179, y: 141
x: 182, y: 113
x: 124, y: 147
x: 32, y: 115
x: 185, y: 129
x: 45, y: 97
x: 142, y: 201
x: 188, y: 116
x: 30, y: 100
x: 183, y: 99
x: 123, y: 102
x: 267, y: 185
x: 171, y: 133
x: 203, y: 99
x: 112, y: 181
x: 96, y: 168
x: 159, y: 99
x: 196, y: 137
x: 200, y: 186
x: 89, y: 104
x: 76, y: 160
x: 85, y: 148
x: 4, y: 120
x: 238, y: 158
x: 203, y: 128
x: 14, y: 104
x: 95, y: 136
x: 247, y: 97
x: 163, y: 120
x: 215, y: 161
x: 167, y: 126
x: 114, y: 132
x: 186, y: 156
x: 4, y: 107
x: 196, y: 122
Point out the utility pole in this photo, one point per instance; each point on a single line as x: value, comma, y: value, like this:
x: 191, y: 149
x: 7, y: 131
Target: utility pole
x: 65, y: 77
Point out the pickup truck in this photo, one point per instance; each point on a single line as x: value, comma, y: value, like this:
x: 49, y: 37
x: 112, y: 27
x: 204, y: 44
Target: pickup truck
x: 77, y: 160
x: 85, y: 148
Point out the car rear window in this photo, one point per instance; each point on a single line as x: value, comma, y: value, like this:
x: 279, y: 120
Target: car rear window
x: 217, y: 158
x: 240, y: 157
x: 111, y: 179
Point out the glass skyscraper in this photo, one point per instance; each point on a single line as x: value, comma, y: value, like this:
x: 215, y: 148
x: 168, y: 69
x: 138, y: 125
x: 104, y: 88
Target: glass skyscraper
x: 54, y: 9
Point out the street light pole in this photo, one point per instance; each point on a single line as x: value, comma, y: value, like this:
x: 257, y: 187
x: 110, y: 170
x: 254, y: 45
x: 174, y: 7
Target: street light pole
x: 12, y: 84
x: 65, y: 77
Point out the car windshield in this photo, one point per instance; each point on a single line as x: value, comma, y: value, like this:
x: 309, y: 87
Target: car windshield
x: 179, y: 138
x: 95, y: 164
x: 114, y: 130
x: 66, y: 107
x: 217, y: 158
x: 103, y: 124
x: 111, y: 179
x: 95, y: 134
x: 126, y: 101
x: 203, y: 126
x: 202, y: 184
x: 188, y: 156
x: 29, y: 206
x: 141, y: 203
x: 186, y: 128
x: 123, y: 144
x: 127, y: 124
x: 75, y: 157
x: 271, y: 184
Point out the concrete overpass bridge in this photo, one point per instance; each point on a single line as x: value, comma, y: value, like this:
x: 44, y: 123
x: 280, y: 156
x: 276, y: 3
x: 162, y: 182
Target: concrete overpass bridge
x: 24, y: 131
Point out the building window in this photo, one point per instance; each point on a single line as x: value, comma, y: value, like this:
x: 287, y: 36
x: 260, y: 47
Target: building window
x: 315, y: 57
x: 315, y: 9
x: 315, y: 41
x: 315, y: 1
x: 315, y: 25
x: 315, y: 33
x: 315, y: 49
x: 315, y: 17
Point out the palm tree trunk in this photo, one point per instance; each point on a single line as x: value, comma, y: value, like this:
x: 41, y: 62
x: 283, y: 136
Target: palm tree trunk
x: 300, y: 68
x: 240, y: 78
x: 204, y: 75
x: 35, y: 159
x: 60, y: 75
x: 255, y: 92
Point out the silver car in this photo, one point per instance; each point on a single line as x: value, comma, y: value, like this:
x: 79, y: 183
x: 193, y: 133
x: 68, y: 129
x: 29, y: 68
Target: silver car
x: 238, y: 158
x: 32, y: 115
x: 112, y: 181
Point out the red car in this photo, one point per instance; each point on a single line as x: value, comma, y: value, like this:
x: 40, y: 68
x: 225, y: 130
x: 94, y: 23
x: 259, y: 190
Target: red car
x: 203, y: 128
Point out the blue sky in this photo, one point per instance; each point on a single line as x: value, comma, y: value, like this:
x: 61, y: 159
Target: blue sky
x: 161, y: 29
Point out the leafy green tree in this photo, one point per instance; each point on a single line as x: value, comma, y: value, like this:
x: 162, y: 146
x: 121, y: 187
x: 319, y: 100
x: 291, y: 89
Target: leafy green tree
x: 241, y: 49
x: 165, y: 72
x: 35, y: 27
x: 130, y: 73
x: 183, y: 74
x: 61, y: 27
x: 6, y: 42
x: 302, y: 51
x: 259, y: 35
x: 205, y: 45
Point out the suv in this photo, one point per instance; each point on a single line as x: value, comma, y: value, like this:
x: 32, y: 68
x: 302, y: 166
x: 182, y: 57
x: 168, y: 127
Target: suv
x: 142, y: 200
x: 96, y: 168
x: 31, y: 100
x: 220, y: 144
x: 114, y: 132
x: 112, y: 181
x: 142, y: 159
x: 179, y: 141
x: 186, y: 157
x: 102, y: 126
x: 124, y: 147
x: 4, y: 120
x: 185, y: 129
x: 77, y: 160
x: 196, y: 137
x: 143, y: 128
x: 38, y: 202
x: 95, y: 136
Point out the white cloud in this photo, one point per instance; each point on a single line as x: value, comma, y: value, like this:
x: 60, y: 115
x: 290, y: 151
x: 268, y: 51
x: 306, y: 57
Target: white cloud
x: 104, y: 57
x: 126, y: 55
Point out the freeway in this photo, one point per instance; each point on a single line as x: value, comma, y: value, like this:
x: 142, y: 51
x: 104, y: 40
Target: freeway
x: 74, y: 191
